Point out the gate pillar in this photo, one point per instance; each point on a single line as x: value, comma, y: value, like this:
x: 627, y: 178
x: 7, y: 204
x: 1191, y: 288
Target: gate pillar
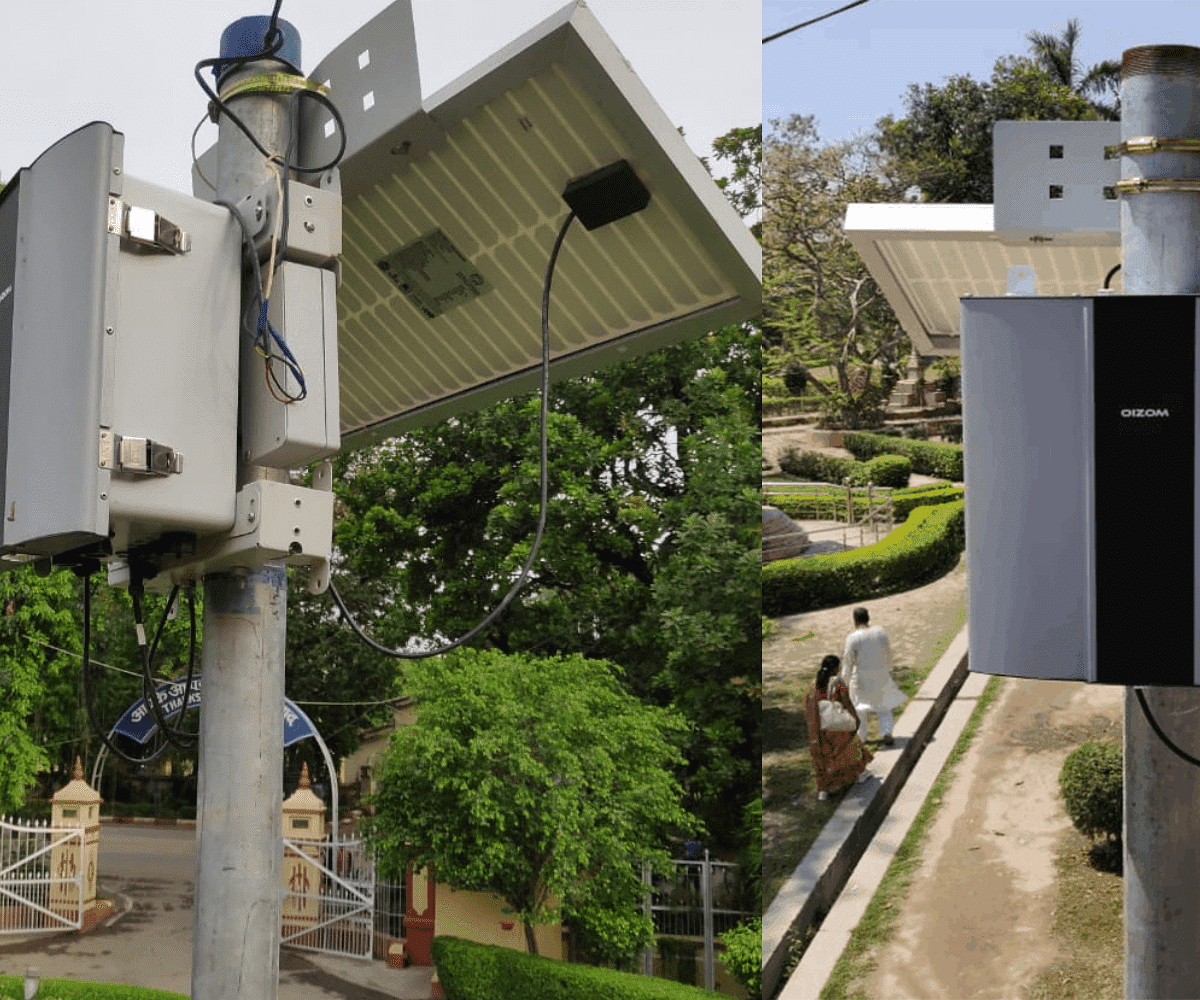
x: 303, y: 820
x: 76, y: 804
x: 420, y: 918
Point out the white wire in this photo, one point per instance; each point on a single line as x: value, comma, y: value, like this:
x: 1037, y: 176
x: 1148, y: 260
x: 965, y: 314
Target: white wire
x: 276, y: 234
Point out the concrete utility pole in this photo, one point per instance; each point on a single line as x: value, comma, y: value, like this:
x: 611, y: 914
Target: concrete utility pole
x: 235, y: 938
x: 1160, y: 252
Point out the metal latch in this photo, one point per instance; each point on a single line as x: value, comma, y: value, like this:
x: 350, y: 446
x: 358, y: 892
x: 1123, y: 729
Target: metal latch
x: 138, y: 455
x: 146, y: 227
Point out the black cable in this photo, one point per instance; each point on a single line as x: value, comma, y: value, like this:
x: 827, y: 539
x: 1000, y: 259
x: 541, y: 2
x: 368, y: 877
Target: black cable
x: 544, y: 483
x: 87, y: 684
x: 1161, y: 735
x: 177, y: 738
x: 273, y: 39
x: 1108, y: 277
x: 797, y: 27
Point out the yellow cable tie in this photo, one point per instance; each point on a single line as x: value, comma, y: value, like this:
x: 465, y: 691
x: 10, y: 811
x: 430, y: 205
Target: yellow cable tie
x: 273, y: 83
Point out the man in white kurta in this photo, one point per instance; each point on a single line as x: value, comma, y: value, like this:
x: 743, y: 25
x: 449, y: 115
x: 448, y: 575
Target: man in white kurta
x: 867, y: 671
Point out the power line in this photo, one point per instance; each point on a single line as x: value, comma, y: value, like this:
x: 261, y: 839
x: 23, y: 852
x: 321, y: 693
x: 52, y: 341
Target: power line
x: 133, y: 673
x: 797, y: 27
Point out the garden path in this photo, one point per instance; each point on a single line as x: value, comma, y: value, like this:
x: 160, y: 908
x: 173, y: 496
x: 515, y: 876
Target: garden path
x: 977, y: 920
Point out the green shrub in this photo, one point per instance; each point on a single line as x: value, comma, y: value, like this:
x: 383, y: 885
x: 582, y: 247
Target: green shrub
x: 773, y: 387
x: 471, y: 971
x: 886, y: 470
x: 811, y: 505
x: 1091, y: 783
x: 928, y: 458
x: 890, y: 470
x: 822, y: 468
x: 743, y: 955
x: 927, y: 545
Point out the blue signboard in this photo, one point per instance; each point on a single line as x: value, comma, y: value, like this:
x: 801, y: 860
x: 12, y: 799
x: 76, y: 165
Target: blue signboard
x: 138, y: 722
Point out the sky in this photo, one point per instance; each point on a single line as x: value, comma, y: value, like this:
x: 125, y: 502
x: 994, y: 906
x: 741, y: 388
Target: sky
x: 129, y: 62
x: 855, y: 67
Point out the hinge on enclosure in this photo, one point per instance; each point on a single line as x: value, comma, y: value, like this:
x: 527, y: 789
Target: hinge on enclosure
x: 138, y: 455
x: 146, y: 227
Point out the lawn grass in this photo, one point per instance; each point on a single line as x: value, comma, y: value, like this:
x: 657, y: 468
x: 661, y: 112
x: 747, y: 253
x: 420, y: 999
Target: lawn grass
x: 794, y: 780
x: 880, y: 920
x: 1088, y: 926
x: 13, y: 988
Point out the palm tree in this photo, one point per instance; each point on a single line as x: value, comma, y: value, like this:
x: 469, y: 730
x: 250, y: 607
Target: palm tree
x: 1055, y: 54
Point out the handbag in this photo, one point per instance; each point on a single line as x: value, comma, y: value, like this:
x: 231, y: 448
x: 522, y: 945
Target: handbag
x: 835, y: 718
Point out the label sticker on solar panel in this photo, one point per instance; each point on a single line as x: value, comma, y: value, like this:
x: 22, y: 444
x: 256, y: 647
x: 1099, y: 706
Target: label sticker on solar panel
x: 434, y: 274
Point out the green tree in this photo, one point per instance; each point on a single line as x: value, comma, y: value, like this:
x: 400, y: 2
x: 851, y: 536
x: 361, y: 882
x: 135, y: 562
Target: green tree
x: 537, y: 779
x: 822, y: 307
x: 35, y: 618
x: 1055, y: 54
x: 943, y: 144
x: 650, y: 461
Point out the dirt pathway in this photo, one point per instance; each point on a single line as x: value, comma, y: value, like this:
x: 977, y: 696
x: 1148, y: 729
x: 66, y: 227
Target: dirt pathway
x: 977, y: 921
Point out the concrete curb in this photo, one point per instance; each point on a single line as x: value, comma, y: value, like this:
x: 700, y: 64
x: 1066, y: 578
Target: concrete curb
x: 819, y: 879
x: 187, y: 824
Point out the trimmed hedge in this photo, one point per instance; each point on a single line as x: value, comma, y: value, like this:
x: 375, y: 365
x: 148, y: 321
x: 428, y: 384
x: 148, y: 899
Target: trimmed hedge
x: 924, y: 547
x: 886, y: 470
x: 942, y: 460
x: 471, y: 971
x: 810, y: 505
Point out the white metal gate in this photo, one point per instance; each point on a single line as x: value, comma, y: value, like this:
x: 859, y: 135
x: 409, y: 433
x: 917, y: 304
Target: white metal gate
x: 329, y: 904
x: 41, y: 877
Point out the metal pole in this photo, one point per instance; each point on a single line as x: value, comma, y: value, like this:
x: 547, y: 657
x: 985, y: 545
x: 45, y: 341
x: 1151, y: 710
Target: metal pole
x: 235, y: 935
x: 1160, y: 249
x: 648, y: 954
x: 1162, y: 849
x: 706, y: 896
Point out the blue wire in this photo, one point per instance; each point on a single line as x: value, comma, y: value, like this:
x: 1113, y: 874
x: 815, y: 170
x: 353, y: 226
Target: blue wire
x: 265, y: 326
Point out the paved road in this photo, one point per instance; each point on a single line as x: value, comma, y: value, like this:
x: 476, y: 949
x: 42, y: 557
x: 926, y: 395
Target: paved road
x: 150, y: 872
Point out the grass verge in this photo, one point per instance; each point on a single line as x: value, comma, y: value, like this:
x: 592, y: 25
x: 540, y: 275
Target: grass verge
x: 791, y: 779
x: 1088, y: 927
x: 880, y: 920
x: 13, y: 988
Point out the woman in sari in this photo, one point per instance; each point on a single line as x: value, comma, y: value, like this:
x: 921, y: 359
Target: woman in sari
x: 838, y: 757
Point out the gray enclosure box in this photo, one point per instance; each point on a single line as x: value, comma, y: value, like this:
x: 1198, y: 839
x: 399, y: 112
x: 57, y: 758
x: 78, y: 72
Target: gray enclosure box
x: 119, y: 307
x: 1067, y: 579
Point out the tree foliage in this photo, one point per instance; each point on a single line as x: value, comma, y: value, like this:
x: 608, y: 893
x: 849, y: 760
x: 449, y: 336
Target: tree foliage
x: 741, y: 148
x: 37, y: 635
x: 1100, y: 85
x: 537, y: 779
x: 823, y: 308
x: 650, y: 553
x: 943, y: 144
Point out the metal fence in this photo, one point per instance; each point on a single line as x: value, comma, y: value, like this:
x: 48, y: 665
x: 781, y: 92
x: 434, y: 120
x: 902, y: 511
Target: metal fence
x: 390, y: 905
x: 694, y: 905
x: 41, y: 877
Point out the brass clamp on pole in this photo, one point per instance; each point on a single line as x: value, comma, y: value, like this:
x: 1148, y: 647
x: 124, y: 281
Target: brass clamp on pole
x: 1155, y: 185
x: 1153, y: 144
